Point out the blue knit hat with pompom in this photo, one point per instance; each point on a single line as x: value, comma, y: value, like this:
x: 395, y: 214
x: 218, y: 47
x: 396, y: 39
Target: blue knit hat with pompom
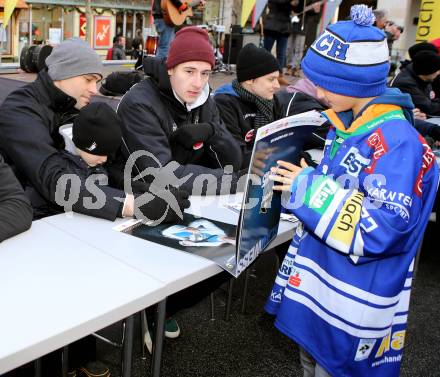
x: 350, y: 57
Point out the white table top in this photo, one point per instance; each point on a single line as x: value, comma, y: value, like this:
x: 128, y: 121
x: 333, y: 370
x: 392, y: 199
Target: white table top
x: 55, y: 289
x: 172, y: 267
x: 435, y: 120
x: 71, y: 275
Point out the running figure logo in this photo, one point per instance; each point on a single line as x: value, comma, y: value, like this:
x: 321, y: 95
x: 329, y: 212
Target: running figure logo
x: 161, y: 178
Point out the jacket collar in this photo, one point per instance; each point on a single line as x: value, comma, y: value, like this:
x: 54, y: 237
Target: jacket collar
x: 198, y: 102
x: 59, y: 101
x: 341, y: 120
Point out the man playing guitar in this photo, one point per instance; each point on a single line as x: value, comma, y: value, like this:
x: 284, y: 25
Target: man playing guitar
x: 168, y: 14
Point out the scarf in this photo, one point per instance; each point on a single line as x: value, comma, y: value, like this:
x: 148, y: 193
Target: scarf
x: 264, y: 106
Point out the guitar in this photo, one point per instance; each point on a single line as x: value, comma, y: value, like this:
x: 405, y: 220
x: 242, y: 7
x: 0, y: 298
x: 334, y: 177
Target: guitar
x: 172, y: 16
x: 295, y: 17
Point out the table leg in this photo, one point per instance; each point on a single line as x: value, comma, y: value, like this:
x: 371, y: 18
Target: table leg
x: 245, y: 291
x: 65, y: 361
x: 127, y: 350
x: 37, y: 368
x: 158, y: 339
x: 229, y: 302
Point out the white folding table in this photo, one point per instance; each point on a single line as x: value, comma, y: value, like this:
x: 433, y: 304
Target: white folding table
x: 177, y: 270
x: 56, y: 289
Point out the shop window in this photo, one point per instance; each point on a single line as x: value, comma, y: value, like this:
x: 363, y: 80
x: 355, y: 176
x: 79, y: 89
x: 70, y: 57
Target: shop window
x: 5, y: 39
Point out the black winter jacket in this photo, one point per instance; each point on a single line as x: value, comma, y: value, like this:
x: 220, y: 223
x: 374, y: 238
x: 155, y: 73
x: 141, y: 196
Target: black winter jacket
x: 239, y: 115
x: 151, y: 113
x: 118, y: 52
x: 420, y: 91
x: 29, y: 138
x: 15, y: 209
x: 278, y: 18
x: 291, y: 103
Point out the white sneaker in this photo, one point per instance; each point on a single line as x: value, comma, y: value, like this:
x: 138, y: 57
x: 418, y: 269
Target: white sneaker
x: 172, y: 329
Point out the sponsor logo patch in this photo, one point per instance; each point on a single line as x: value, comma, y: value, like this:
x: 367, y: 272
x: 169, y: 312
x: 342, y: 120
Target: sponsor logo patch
x: 343, y: 230
x: 393, y: 341
x: 92, y: 147
x: 275, y: 295
x: 295, y: 280
x: 249, y: 136
x: 377, y: 142
x: 354, y: 162
x: 427, y: 162
x: 323, y: 195
x: 198, y: 145
x: 397, y: 202
x: 364, y: 349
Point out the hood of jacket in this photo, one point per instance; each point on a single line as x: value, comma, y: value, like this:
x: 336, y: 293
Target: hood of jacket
x: 226, y: 89
x: 58, y: 100
x: 156, y: 69
x: 394, y: 96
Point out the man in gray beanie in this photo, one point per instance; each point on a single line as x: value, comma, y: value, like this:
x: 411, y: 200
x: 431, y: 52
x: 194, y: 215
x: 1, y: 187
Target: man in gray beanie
x: 31, y: 117
x: 73, y: 58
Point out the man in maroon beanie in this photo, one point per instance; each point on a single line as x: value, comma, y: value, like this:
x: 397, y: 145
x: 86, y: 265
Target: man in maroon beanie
x: 171, y: 115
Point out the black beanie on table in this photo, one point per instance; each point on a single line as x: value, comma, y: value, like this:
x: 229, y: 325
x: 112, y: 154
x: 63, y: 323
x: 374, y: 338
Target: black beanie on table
x: 97, y: 130
x: 254, y: 62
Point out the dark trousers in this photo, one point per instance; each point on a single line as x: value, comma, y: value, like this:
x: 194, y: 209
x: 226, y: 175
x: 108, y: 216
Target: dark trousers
x: 270, y: 37
x: 192, y: 295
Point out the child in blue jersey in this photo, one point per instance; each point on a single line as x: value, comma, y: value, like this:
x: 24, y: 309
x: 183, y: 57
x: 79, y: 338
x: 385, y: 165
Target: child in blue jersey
x: 342, y: 292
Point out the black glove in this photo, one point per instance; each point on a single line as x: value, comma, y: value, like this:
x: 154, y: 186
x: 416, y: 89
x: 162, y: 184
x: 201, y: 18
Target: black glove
x: 139, y: 187
x: 162, y: 206
x: 308, y: 159
x: 191, y: 135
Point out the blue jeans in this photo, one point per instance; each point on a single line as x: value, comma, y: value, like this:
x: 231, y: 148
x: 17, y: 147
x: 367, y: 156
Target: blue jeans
x: 166, y: 35
x: 281, y: 39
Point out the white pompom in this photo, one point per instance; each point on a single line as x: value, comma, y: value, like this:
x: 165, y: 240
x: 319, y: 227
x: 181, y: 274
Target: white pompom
x: 362, y: 15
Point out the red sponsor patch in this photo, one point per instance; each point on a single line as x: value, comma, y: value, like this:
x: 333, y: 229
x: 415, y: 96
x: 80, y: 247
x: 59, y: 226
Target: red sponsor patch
x: 197, y: 145
x: 428, y: 160
x: 295, y: 280
x: 249, y: 136
x: 377, y: 142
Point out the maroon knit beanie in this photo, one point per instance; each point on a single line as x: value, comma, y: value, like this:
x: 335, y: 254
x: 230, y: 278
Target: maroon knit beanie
x: 191, y: 44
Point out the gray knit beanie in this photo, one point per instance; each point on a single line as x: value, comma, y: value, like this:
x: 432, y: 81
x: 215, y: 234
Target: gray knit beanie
x: 73, y: 57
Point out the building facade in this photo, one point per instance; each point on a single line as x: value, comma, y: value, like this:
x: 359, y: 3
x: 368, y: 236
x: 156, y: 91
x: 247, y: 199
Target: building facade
x: 52, y: 21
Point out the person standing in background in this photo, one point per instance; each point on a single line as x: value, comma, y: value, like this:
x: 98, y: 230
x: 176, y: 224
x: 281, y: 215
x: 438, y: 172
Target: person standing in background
x: 277, y: 28
x: 119, y: 48
x: 381, y: 18
x: 304, y: 27
x: 166, y: 31
x: 137, y: 45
